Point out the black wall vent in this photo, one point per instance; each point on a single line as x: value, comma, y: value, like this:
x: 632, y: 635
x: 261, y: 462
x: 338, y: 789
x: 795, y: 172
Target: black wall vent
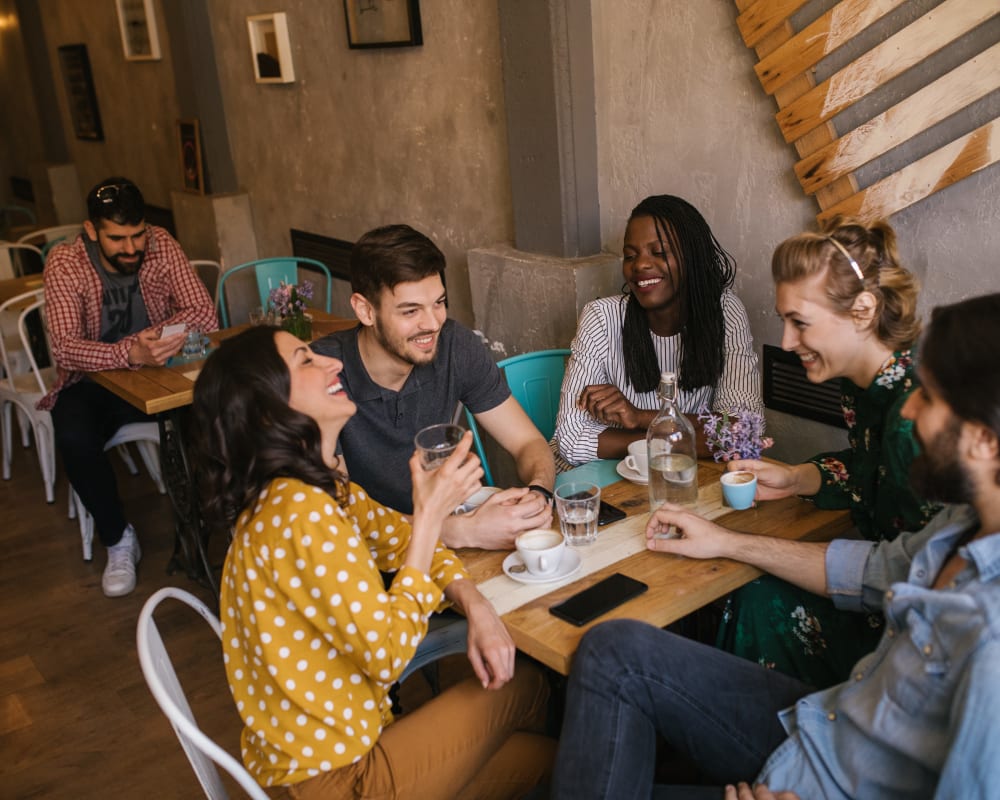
x: 22, y: 189
x: 335, y: 253
x: 163, y: 217
x: 786, y: 388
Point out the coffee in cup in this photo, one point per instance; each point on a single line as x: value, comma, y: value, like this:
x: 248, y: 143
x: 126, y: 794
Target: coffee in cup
x: 739, y: 488
x: 541, y: 550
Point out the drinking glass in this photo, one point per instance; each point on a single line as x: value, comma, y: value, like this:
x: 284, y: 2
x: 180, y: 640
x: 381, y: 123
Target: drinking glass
x: 577, y: 505
x: 436, y: 442
x: 195, y: 343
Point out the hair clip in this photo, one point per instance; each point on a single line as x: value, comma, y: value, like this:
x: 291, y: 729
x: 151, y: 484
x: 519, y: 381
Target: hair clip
x: 851, y: 261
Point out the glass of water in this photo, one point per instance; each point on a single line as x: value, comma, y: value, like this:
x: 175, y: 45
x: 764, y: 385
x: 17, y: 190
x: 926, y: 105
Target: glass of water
x: 195, y: 344
x: 436, y: 442
x: 577, y: 505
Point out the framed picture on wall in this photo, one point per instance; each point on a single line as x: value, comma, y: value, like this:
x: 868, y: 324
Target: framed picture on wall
x: 383, y: 23
x: 272, y: 52
x: 79, y: 82
x: 189, y: 137
x: 140, y: 38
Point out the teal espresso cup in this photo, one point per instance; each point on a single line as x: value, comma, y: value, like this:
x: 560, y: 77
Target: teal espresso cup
x: 739, y: 488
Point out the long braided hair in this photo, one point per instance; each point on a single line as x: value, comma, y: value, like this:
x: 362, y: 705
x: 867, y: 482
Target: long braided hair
x: 706, y: 270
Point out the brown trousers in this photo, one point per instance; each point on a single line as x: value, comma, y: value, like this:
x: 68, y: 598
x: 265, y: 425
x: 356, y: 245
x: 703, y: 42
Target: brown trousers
x: 467, y: 743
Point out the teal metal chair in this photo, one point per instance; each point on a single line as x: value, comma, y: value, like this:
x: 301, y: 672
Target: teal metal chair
x: 269, y: 273
x: 535, y: 380
x: 47, y: 238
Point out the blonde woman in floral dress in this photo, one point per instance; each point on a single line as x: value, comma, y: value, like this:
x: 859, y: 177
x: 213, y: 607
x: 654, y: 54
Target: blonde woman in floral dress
x: 849, y: 312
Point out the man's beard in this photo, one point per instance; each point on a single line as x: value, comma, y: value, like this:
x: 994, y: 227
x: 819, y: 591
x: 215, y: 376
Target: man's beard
x: 398, y: 347
x: 937, y: 473
x: 123, y: 267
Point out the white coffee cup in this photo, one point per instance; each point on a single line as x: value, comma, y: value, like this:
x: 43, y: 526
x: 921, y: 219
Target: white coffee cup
x: 541, y: 550
x: 637, y: 459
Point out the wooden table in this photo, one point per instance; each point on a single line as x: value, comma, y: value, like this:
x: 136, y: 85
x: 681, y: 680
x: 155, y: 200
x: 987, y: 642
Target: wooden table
x: 677, y: 586
x: 166, y: 392
x: 156, y: 389
x: 12, y: 287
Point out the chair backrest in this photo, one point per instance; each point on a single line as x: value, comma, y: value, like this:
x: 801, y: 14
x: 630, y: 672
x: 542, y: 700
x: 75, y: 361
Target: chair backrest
x: 161, y: 678
x: 47, y: 238
x: 208, y: 272
x: 22, y: 305
x: 269, y: 273
x: 535, y: 381
x: 37, y: 345
x: 17, y: 260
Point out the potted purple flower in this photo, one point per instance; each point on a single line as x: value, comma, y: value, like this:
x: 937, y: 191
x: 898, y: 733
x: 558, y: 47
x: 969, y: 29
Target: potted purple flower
x: 288, y: 302
x: 734, y: 434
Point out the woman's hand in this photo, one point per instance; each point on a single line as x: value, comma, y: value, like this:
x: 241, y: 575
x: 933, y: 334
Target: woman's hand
x: 437, y: 492
x: 491, y: 650
x: 775, y: 481
x: 608, y: 405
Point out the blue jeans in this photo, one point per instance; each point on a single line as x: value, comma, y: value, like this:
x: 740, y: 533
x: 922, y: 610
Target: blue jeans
x: 631, y: 681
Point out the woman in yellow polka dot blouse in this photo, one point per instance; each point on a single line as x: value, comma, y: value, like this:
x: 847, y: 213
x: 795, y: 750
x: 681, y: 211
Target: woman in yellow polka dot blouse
x: 312, y: 640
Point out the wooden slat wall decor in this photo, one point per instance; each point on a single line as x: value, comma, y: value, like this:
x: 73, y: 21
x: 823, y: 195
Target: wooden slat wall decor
x: 788, y: 60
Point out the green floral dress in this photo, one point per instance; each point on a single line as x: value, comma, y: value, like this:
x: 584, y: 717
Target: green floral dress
x: 799, y: 633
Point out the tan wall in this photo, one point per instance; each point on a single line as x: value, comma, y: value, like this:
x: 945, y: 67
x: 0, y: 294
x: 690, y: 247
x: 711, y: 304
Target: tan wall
x: 370, y: 137
x: 680, y: 111
x: 20, y: 134
x: 137, y: 100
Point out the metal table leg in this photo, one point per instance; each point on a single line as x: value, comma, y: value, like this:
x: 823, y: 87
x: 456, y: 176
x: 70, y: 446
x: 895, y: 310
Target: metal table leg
x: 190, y: 536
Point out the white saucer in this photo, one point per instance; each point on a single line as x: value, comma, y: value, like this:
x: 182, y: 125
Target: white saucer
x: 570, y: 566
x: 630, y: 475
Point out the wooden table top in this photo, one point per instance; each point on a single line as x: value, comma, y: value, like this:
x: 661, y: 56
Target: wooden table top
x: 12, y: 287
x: 156, y: 389
x: 677, y: 586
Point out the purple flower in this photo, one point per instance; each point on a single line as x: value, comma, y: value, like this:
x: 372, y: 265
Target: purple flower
x: 289, y: 300
x: 734, y: 434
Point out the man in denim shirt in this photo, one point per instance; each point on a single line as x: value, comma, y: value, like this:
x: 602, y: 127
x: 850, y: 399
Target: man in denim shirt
x: 920, y: 716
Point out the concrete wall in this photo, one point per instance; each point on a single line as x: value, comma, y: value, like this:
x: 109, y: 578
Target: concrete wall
x: 21, y: 139
x: 137, y: 100
x: 370, y: 137
x: 680, y: 111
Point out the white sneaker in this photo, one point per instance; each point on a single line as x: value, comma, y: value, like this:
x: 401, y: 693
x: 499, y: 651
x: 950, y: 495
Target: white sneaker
x: 119, y: 574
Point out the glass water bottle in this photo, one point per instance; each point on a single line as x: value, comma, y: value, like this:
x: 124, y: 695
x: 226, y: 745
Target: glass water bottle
x: 673, y: 455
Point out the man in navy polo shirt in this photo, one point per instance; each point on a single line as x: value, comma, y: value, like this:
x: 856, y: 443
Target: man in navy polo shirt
x: 407, y: 366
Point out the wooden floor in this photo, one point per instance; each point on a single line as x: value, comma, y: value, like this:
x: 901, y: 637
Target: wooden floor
x: 76, y: 718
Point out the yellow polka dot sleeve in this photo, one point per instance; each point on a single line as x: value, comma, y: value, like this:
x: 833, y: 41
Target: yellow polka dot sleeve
x: 311, y: 639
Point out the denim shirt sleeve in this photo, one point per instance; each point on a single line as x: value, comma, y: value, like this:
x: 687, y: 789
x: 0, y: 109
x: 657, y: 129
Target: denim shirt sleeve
x: 846, y: 561
x: 972, y: 768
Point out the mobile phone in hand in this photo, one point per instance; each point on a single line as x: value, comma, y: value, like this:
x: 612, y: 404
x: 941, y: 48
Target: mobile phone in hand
x: 173, y: 330
x: 598, y: 599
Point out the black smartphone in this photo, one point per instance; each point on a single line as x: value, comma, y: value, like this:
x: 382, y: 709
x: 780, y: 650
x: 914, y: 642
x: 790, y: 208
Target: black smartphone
x: 598, y: 599
x: 609, y: 513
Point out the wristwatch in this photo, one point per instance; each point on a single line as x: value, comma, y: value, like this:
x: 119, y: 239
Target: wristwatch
x: 542, y: 491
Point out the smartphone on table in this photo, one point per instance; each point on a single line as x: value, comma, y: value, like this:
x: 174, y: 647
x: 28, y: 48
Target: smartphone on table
x: 598, y: 599
x: 608, y: 513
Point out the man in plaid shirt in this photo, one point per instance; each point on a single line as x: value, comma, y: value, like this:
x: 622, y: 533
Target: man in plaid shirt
x: 108, y: 296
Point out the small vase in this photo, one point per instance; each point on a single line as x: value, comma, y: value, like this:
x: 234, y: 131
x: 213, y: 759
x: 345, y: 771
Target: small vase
x: 299, y: 325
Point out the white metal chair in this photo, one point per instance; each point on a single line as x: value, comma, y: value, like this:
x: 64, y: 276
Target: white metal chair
x: 145, y: 435
x: 16, y: 258
x: 47, y: 238
x: 161, y: 678
x: 22, y: 392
